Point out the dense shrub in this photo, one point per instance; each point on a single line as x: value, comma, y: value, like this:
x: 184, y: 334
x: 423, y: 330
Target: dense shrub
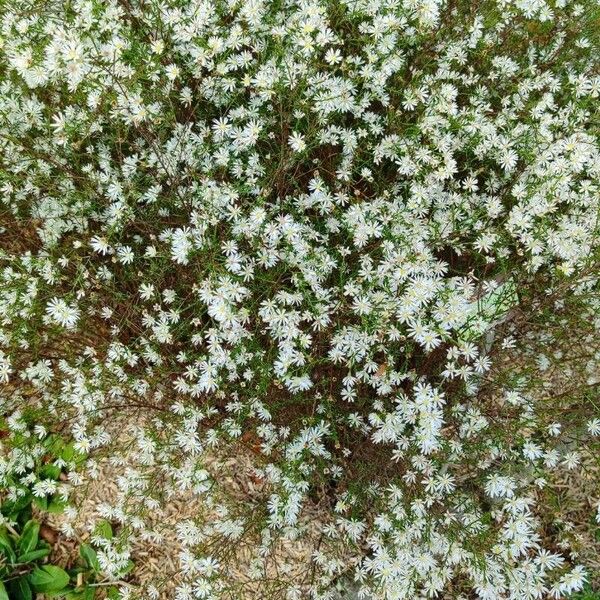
x: 316, y: 230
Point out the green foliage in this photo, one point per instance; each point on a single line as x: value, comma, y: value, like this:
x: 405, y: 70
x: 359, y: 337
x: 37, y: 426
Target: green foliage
x: 586, y: 594
x: 24, y: 554
x: 48, y: 579
x: 315, y: 231
x: 51, y: 457
x: 23, y: 572
x: 21, y: 554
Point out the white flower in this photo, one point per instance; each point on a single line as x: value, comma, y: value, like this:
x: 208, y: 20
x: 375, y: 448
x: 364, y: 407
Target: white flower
x: 5, y: 368
x: 157, y: 46
x: 172, y: 72
x: 296, y: 142
x: 146, y: 291
x: 333, y: 56
x: 100, y: 245
x: 125, y: 255
x: 498, y: 486
x: 62, y: 313
x: 593, y: 427
x: 554, y: 429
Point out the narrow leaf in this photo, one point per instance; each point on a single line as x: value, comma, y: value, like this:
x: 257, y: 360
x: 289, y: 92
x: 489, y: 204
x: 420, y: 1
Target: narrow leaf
x: 33, y: 555
x: 29, y: 537
x: 20, y: 590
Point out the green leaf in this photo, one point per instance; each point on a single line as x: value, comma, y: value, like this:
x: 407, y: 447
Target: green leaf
x: 20, y: 590
x: 6, y: 546
x: 128, y: 568
x: 57, y: 505
x: 50, y: 472
x: 68, y: 452
x: 89, y: 593
x: 86, y: 594
x: 29, y: 537
x: 48, y: 578
x: 60, y: 594
x: 33, y: 555
x: 41, y: 503
x: 12, y: 508
x: 104, y: 529
x: 90, y: 557
x: 54, y: 444
x: 5, y: 539
x: 3, y: 592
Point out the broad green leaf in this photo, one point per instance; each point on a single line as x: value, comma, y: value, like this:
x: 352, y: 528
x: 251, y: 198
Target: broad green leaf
x: 57, y: 505
x: 50, y: 472
x: 48, y: 578
x: 41, y: 503
x: 68, y: 452
x: 3, y: 592
x: 29, y: 537
x: 5, y: 539
x: 20, y: 590
x: 104, y: 529
x: 89, y: 555
x: 128, y: 568
x: 54, y: 444
x: 33, y: 555
x: 64, y: 593
x: 12, y: 508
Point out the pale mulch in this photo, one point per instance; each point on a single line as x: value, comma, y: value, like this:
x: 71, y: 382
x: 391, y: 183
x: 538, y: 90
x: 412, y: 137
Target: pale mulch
x: 156, y: 562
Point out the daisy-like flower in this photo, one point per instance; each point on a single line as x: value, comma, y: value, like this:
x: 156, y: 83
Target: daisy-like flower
x: 593, y: 427
x: 100, y: 245
x: 5, y: 368
x: 125, y: 255
x: 146, y: 291
x: 172, y: 72
x: 157, y: 46
x: 296, y: 142
x: 62, y: 313
x: 333, y: 56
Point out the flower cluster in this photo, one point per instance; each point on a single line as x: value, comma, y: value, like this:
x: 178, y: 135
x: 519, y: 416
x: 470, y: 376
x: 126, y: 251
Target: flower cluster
x: 306, y: 228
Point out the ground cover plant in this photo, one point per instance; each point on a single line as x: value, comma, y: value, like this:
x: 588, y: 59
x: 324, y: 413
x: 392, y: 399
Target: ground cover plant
x: 34, y: 467
x: 352, y: 244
